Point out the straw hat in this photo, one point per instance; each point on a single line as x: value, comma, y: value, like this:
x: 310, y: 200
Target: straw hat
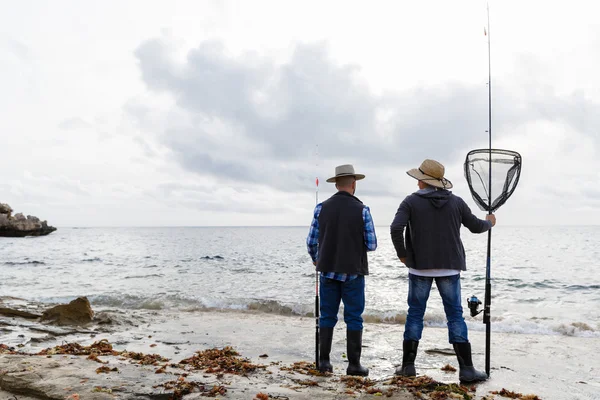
x: 432, y: 173
x: 345, y: 170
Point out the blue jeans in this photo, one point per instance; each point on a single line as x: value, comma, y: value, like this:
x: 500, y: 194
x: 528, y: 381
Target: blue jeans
x: 352, y: 293
x: 418, y: 293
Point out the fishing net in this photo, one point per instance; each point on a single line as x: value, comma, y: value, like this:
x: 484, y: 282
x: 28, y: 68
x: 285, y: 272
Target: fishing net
x: 505, y: 171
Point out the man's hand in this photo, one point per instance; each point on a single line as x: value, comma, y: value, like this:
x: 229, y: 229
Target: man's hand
x: 491, y: 218
x: 315, y: 263
x: 403, y: 260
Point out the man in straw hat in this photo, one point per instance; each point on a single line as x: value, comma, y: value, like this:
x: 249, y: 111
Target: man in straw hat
x: 432, y: 250
x: 340, y: 235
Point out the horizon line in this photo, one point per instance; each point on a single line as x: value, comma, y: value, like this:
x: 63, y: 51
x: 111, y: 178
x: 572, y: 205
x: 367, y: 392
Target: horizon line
x: 291, y: 226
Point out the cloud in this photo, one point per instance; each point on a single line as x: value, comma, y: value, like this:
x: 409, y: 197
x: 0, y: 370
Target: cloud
x: 249, y: 119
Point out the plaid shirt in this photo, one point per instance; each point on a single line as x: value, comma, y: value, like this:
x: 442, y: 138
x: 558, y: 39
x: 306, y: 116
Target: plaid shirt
x: 312, y: 242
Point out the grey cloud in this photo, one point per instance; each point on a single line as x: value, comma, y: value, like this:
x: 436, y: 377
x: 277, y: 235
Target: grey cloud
x: 252, y: 120
x: 194, y: 196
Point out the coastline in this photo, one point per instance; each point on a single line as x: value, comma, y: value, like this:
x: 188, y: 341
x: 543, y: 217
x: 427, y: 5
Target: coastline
x: 549, y: 366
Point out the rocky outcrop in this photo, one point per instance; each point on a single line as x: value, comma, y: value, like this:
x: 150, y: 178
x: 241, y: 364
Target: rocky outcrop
x: 77, y: 312
x: 20, y: 226
x: 59, y: 378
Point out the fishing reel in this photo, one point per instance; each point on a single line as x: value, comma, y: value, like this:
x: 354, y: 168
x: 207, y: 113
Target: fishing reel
x: 474, y: 304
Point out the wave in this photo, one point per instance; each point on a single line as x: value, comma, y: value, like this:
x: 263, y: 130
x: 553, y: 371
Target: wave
x: 33, y: 262
x: 582, y: 287
x: 212, y: 258
x: 95, y: 259
x: 273, y: 307
x: 135, y: 302
x: 546, y: 326
x: 144, y: 276
x: 244, y: 270
x: 506, y: 324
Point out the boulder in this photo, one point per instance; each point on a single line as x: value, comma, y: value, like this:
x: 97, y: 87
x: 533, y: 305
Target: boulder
x: 20, y: 226
x: 77, y: 312
x: 5, y: 209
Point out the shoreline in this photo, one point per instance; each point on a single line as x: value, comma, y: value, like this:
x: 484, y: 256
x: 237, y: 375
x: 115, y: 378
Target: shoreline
x: 524, y: 363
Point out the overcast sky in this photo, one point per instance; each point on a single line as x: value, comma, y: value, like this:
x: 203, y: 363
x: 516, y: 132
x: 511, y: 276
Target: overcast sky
x: 152, y: 113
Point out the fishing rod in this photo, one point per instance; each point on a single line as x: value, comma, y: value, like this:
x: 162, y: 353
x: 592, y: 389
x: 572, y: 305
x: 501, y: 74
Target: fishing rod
x: 488, y: 286
x: 317, y: 281
x: 477, y: 163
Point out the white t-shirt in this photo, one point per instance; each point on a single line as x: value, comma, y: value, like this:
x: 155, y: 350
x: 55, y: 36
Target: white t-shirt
x: 433, y: 273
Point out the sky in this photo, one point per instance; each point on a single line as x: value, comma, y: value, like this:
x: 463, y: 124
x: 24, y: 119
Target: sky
x: 210, y: 113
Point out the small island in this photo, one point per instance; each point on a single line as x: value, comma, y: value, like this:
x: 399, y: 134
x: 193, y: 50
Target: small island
x: 21, y: 226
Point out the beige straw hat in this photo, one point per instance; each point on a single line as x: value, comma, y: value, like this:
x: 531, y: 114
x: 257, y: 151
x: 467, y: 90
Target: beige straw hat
x: 432, y: 173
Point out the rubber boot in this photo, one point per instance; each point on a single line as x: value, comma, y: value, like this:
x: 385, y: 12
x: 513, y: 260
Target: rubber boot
x: 467, y: 372
x: 353, y: 350
x: 325, y: 339
x: 409, y: 353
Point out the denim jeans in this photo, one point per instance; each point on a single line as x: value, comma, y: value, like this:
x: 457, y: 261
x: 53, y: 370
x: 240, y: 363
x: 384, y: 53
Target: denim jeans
x: 418, y: 293
x: 352, y: 293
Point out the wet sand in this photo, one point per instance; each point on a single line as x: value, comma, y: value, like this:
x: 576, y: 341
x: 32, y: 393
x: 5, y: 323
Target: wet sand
x: 550, y: 366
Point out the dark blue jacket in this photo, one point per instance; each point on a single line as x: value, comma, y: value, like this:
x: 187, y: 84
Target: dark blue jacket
x: 432, y: 219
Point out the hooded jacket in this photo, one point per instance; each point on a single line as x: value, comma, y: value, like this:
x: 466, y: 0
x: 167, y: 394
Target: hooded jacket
x: 432, y: 219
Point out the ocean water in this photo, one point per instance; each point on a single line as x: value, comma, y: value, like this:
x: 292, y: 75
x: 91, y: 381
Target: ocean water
x: 544, y: 279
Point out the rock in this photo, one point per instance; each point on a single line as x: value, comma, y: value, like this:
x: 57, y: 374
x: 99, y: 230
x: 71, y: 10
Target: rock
x: 20, y: 226
x: 59, y: 378
x: 77, y: 312
x: 5, y: 209
x: 9, y: 312
x: 20, y: 217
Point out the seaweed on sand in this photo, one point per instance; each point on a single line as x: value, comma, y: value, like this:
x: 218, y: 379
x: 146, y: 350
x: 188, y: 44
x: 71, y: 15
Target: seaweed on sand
x: 220, y: 361
x: 435, y: 390
x: 515, y: 395
x: 181, y: 387
x: 4, y: 349
x: 305, y: 368
x: 101, y: 348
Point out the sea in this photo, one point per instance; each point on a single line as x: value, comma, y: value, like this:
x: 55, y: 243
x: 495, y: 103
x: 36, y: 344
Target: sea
x: 545, y: 280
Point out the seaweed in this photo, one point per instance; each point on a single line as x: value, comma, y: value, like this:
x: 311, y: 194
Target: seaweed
x: 221, y: 361
x: 306, y: 368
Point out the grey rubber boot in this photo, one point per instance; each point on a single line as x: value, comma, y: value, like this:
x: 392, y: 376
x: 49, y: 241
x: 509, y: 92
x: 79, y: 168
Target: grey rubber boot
x: 354, y: 349
x: 325, y: 339
x: 409, y: 353
x: 467, y: 372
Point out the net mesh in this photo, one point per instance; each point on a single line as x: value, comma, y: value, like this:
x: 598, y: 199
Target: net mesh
x: 505, y: 170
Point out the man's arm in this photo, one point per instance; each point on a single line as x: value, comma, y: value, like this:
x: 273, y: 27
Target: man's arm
x: 397, y: 229
x: 312, y: 241
x: 369, y: 231
x: 473, y: 223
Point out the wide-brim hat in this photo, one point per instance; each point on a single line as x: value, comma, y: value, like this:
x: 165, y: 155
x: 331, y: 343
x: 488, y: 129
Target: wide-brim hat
x: 432, y: 173
x: 345, y: 170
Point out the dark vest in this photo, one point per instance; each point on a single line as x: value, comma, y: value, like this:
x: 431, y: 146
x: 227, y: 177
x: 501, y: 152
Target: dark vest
x: 341, y: 236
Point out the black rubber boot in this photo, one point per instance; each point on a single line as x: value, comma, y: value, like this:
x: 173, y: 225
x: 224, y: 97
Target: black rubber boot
x: 353, y: 349
x: 409, y: 353
x: 325, y: 339
x: 467, y: 372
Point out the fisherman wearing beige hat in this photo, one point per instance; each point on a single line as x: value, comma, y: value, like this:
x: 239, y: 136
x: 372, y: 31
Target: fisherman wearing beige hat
x: 426, y: 235
x: 341, y: 234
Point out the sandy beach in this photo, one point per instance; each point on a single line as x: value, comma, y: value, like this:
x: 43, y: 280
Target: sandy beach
x: 550, y: 366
